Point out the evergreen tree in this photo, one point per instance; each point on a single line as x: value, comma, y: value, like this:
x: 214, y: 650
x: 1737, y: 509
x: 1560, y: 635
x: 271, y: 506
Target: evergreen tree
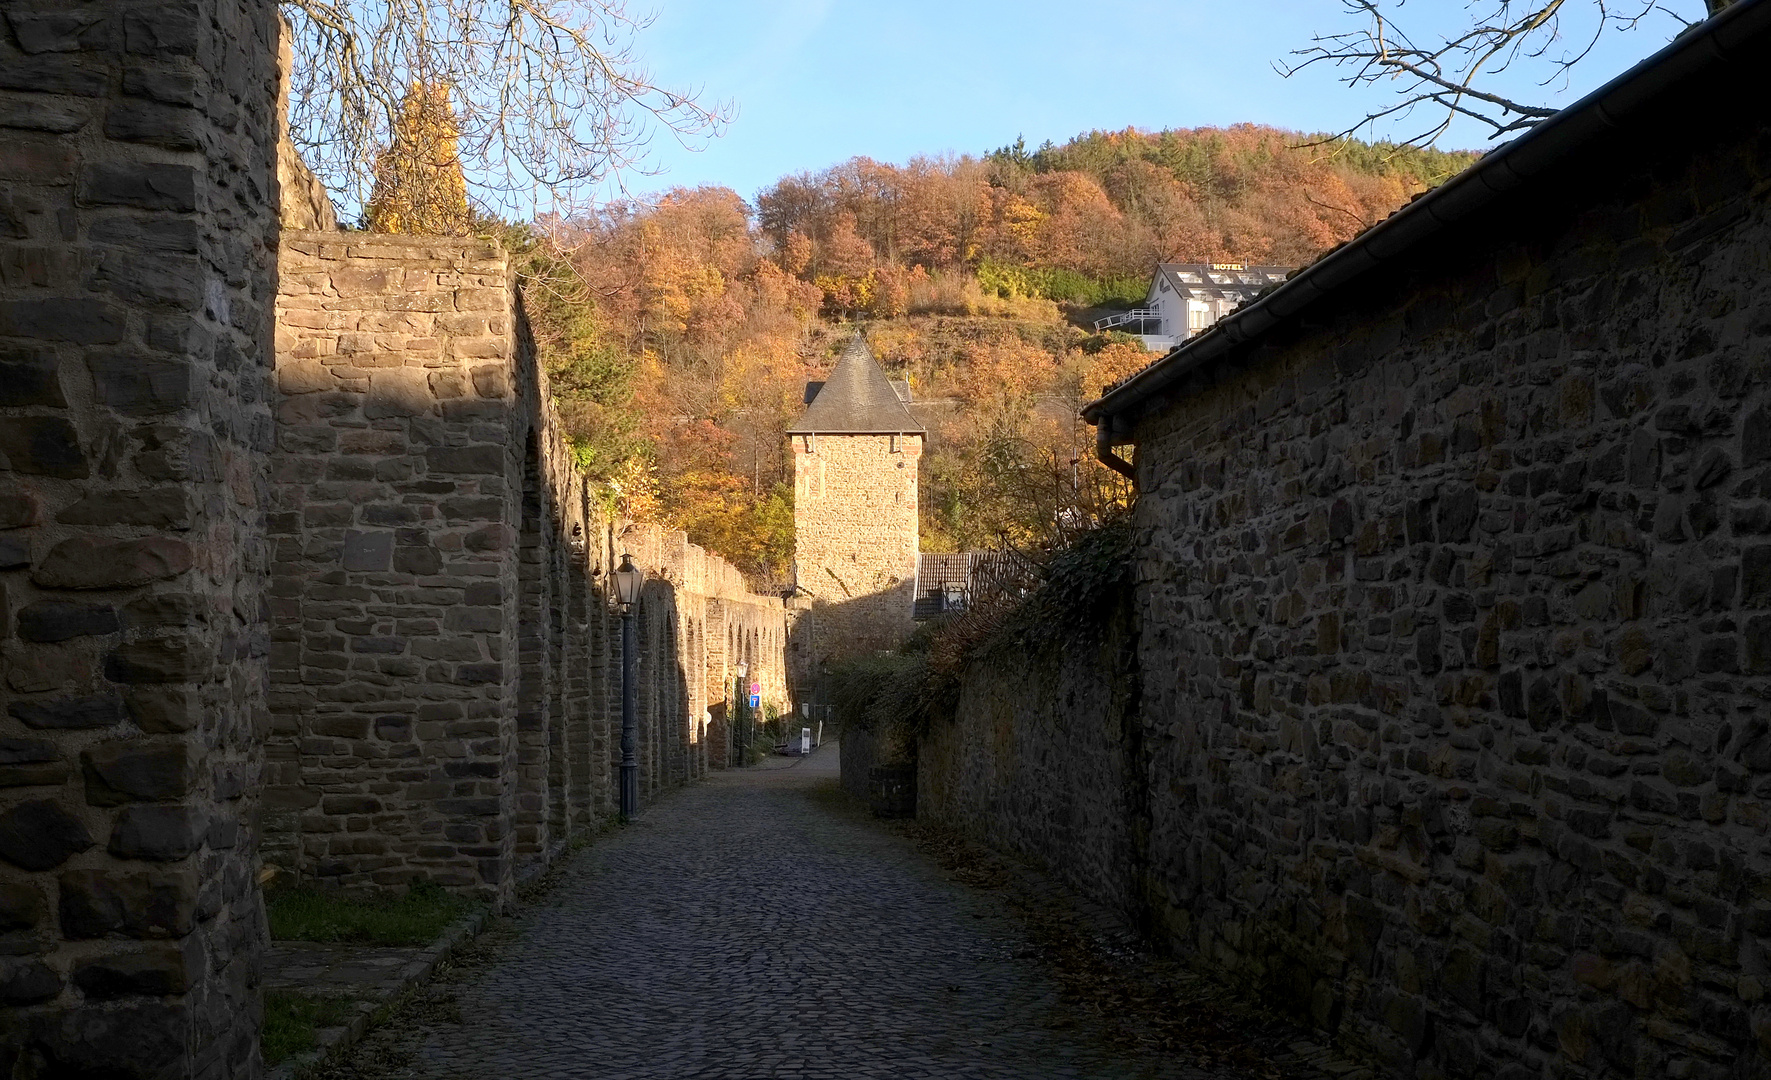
x: 419, y: 188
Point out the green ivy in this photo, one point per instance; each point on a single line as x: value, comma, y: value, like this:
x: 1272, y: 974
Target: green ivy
x: 1084, y: 585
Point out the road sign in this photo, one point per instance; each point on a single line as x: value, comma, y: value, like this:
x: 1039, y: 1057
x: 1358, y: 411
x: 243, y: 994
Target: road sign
x: 756, y: 701
x: 756, y: 688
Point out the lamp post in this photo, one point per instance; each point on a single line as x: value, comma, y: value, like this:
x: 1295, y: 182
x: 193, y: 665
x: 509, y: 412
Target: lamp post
x: 629, y: 579
x: 743, y: 710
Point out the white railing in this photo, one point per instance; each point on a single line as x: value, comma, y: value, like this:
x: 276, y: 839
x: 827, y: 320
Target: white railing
x: 1138, y: 315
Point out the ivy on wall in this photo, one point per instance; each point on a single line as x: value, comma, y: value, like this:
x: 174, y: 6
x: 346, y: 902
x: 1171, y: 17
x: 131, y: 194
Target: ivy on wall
x: 1068, y: 603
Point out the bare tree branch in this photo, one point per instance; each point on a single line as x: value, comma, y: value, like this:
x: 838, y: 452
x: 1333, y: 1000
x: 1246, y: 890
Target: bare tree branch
x: 1360, y: 218
x: 1453, y: 75
x: 549, y: 96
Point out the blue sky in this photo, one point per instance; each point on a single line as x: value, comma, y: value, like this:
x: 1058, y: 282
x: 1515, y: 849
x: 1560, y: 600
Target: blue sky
x: 816, y: 82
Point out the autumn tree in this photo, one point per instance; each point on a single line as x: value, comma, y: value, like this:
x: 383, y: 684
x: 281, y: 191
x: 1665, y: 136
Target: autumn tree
x: 419, y: 188
x: 841, y: 265
x: 703, y: 316
x: 1104, y: 205
x: 697, y: 335
x: 549, y: 95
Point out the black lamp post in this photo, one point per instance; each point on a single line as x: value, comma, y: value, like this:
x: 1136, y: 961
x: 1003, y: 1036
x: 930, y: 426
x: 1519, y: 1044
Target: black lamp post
x: 742, y: 727
x: 629, y: 579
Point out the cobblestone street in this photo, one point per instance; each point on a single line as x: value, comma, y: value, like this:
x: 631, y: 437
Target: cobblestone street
x: 743, y: 929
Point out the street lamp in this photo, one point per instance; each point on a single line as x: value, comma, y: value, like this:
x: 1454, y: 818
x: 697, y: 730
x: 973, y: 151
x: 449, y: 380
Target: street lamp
x: 743, y: 711
x: 629, y: 579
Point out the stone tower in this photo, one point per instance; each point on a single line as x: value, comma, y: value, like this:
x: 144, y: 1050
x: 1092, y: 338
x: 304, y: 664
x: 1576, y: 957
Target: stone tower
x: 855, y: 456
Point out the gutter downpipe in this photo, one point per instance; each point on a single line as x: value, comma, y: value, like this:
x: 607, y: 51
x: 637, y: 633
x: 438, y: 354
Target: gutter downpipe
x: 1104, y: 451
x: 1717, y: 39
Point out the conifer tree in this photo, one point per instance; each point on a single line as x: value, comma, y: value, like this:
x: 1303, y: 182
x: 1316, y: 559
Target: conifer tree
x: 549, y: 97
x: 419, y: 188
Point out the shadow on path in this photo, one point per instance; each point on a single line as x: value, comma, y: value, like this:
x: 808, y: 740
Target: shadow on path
x: 749, y: 927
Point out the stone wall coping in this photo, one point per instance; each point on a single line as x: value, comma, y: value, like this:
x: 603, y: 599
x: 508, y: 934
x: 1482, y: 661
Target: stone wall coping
x: 367, y: 245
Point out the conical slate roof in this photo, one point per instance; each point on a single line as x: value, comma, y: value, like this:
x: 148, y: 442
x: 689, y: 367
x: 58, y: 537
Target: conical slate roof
x: 857, y: 399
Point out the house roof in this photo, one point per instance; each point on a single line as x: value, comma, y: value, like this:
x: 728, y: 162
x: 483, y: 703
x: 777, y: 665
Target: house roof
x: 1219, y: 281
x: 856, y: 399
x: 1736, y: 40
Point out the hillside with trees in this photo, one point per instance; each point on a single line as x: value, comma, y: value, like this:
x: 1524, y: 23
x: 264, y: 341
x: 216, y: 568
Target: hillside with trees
x: 679, y: 333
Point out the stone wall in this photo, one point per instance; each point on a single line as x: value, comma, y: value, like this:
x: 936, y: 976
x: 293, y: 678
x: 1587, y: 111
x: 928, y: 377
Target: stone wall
x: 303, y: 202
x: 1043, y: 756
x: 396, y: 524
x: 137, y: 180
x: 445, y: 658
x: 719, y: 624
x: 1453, y: 660
x: 398, y: 482
x: 855, y: 544
x: 1454, y: 632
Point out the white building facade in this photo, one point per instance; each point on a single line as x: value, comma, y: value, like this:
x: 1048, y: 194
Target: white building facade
x: 1186, y: 298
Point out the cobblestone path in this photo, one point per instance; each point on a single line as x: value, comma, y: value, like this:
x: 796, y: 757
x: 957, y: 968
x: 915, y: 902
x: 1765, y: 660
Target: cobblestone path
x: 742, y: 930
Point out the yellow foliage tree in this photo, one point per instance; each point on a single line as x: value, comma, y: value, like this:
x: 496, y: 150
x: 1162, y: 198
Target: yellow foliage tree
x: 419, y: 188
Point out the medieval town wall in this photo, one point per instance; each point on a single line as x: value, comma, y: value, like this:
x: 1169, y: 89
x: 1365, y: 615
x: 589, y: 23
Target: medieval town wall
x: 137, y: 239
x: 342, y: 562
x: 1453, y: 639
x: 404, y: 519
x: 445, y: 657
x: 722, y: 625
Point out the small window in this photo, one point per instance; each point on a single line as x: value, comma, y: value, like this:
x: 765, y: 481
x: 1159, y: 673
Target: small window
x: 811, y: 444
x: 895, y: 448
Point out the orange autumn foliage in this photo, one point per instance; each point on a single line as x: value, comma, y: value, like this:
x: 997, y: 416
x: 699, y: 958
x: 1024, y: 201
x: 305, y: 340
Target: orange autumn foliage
x: 723, y: 310
x: 1107, y: 202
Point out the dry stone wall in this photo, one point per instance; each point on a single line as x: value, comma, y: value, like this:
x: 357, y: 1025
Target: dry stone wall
x: 1454, y: 640
x: 445, y: 658
x: 137, y: 232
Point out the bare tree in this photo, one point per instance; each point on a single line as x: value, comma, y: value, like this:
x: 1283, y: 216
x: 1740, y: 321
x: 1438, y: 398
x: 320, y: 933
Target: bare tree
x: 1449, y: 76
x: 549, y: 98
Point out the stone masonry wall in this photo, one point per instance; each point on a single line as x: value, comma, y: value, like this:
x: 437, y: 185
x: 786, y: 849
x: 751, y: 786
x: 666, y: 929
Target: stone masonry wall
x: 1454, y: 639
x: 856, y: 543
x: 1043, y: 756
x: 1454, y: 632
x: 397, y: 479
x: 446, y: 660
x: 137, y: 222
x: 720, y: 624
